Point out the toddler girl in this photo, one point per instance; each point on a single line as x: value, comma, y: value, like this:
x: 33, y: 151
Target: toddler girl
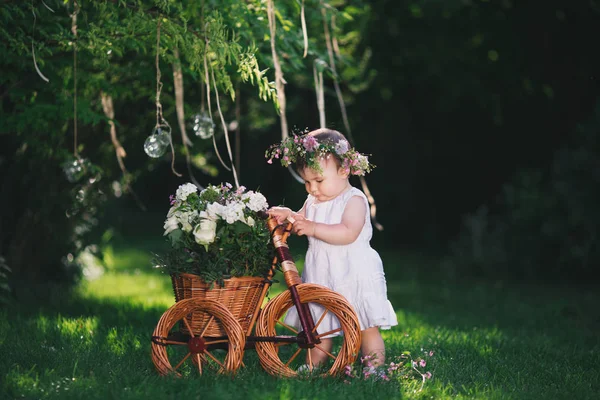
x: 335, y: 219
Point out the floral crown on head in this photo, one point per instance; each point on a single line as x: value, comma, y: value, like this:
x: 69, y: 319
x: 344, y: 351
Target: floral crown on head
x: 308, y: 149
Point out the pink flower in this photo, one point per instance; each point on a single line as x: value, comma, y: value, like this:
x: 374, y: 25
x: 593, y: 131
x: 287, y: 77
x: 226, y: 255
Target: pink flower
x: 422, y: 363
x: 431, y: 353
x: 286, y: 158
x: 310, y: 143
x: 428, y: 375
x: 270, y: 161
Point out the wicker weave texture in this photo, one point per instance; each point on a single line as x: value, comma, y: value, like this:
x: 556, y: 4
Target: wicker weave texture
x: 242, y: 296
x: 236, y: 338
x: 333, y: 302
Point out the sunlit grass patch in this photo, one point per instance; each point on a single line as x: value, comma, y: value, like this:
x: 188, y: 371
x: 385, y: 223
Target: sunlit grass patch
x: 139, y: 288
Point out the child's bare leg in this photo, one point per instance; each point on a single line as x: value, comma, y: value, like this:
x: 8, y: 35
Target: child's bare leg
x: 317, y: 356
x: 372, y: 345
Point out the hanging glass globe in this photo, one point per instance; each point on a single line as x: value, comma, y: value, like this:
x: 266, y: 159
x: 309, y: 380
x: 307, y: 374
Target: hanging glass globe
x: 75, y: 169
x: 203, y: 126
x: 163, y: 134
x: 154, y: 147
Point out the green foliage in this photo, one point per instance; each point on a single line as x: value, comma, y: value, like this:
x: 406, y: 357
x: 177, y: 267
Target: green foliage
x: 116, y: 45
x: 547, y: 226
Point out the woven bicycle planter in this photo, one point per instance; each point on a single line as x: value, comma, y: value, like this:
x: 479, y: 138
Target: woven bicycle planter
x: 240, y: 295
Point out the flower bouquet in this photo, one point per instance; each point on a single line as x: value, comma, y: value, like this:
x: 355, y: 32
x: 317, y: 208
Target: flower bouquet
x: 217, y: 234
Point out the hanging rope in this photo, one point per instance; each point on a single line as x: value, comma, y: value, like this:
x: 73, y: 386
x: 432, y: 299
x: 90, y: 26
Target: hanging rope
x: 304, y: 32
x: 179, y: 106
x: 338, y: 92
x: 37, y: 69
x: 318, y: 75
x: 160, y: 121
x: 279, y: 82
x: 225, y: 132
x: 336, y: 47
x: 209, y: 107
x: 74, y: 30
x: 109, y: 111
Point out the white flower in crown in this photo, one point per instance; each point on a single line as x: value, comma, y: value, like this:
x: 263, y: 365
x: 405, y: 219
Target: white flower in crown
x: 185, y: 190
x: 342, y: 147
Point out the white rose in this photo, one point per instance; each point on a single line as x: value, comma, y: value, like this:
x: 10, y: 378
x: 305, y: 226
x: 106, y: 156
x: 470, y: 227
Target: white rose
x: 170, y: 225
x: 205, y: 232
x: 215, y: 211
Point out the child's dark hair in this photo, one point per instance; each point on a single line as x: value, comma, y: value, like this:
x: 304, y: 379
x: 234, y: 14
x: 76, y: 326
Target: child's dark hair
x: 323, y: 135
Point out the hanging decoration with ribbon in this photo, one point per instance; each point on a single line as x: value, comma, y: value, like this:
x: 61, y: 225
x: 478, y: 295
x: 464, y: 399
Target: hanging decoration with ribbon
x: 75, y: 168
x: 157, y: 143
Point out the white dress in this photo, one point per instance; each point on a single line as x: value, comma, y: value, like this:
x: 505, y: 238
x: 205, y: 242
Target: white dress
x: 354, y: 270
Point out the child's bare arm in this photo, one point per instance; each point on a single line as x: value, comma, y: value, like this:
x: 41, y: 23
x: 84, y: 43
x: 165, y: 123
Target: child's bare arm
x: 345, y: 232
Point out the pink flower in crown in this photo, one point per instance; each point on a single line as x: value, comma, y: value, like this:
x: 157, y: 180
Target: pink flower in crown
x: 310, y: 143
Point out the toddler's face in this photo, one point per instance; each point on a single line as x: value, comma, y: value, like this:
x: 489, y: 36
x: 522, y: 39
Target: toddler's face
x: 327, y: 185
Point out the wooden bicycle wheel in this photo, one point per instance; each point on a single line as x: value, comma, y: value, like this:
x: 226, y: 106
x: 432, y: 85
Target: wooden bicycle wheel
x: 184, y: 350
x: 283, y: 359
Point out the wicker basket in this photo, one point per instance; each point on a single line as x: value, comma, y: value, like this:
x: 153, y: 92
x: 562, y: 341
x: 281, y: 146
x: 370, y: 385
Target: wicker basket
x: 242, y: 297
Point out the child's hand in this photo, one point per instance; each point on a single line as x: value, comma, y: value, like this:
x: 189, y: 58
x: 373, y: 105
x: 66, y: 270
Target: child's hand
x: 303, y: 226
x: 280, y: 213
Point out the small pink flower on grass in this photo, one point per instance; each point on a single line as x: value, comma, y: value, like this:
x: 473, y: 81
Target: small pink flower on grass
x: 422, y: 363
x: 427, y: 375
x: 431, y: 353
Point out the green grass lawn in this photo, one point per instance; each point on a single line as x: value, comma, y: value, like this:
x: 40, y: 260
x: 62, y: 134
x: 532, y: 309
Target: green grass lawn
x: 489, y: 342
